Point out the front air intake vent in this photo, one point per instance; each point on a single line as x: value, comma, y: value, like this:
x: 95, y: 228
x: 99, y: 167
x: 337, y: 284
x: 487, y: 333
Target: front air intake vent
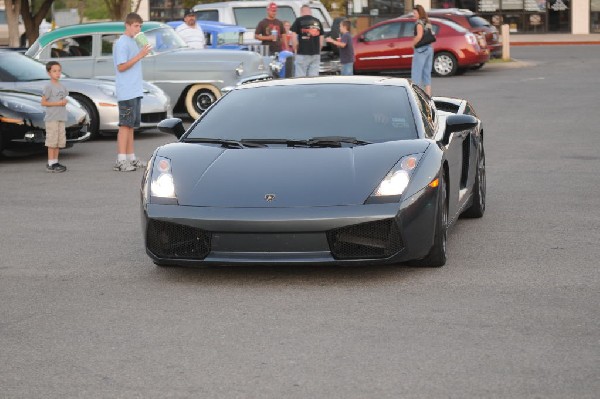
x: 380, y: 239
x: 176, y: 241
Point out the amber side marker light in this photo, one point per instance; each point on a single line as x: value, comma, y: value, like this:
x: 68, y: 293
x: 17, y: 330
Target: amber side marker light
x: 107, y: 105
x: 6, y: 119
x: 434, y: 183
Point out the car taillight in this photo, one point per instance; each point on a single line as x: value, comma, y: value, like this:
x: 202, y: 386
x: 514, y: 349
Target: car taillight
x: 471, y: 39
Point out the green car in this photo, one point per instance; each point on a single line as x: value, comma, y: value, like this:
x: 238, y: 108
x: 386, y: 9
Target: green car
x: 193, y: 79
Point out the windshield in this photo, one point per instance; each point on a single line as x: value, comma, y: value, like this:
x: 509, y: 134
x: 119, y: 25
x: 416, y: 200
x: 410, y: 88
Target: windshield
x: 164, y: 39
x: 301, y: 112
x: 19, y: 68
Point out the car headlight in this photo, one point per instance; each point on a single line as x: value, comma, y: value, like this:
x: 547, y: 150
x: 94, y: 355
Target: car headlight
x: 162, y: 186
x: 240, y: 69
x: 396, y: 181
x: 151, y: 88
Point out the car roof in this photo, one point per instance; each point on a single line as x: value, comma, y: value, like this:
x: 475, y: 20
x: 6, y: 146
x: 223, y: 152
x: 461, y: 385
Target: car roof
x: 95, y: 27
x: 357, y: 80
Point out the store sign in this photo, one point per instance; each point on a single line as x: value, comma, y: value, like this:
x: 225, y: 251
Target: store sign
x: 559, y: 6
x: 489, y: 5
x: 512, y: 4
x: 535, y: 19
x: 535, y: 5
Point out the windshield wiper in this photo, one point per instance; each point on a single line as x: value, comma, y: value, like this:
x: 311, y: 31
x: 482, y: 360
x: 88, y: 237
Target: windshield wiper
x: 224, y: 143
x: 326, y: 141
x: 335, y: 141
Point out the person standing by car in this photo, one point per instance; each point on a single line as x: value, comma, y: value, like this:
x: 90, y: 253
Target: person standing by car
x: 54, y: 98
x: 346, y: 50
x: 307, y: 43
x: 190, y: 31
x: 270, y: 30
x: 422, y: 61
x: 130, y: 90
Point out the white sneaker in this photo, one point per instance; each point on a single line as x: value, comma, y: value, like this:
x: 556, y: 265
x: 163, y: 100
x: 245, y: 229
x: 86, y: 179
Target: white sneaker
x: 124, y: 166
x: 136, y: 163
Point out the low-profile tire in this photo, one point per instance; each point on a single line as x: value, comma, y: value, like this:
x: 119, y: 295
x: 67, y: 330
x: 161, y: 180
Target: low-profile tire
x: 477, y: 208
x: 199, y: 98
x: 92, y: 112
x: 437, y: 255
x: 444, y: 64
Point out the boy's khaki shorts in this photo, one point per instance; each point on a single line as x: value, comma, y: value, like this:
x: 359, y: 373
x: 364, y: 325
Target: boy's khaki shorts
x: 56, y: 136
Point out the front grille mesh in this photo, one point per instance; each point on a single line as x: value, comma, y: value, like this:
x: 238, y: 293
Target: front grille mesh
x: 380, y: 239
x: 171, y: 240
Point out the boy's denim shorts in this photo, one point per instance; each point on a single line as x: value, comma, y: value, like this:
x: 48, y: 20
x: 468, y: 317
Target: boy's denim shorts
x: 130, y: 112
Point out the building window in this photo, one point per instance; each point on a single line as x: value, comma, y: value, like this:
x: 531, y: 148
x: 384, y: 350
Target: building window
x: 595, y: 16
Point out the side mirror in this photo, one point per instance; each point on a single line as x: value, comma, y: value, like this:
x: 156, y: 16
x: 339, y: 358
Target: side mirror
x: 172, y: 126
x: 458, y: 123
x: 361, y: 38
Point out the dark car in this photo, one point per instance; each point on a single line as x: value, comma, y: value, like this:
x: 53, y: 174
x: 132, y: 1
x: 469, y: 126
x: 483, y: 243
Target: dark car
x: 474, y: 23
x: 379, y: 183
x: 22, y: 120
x: 387, y: 47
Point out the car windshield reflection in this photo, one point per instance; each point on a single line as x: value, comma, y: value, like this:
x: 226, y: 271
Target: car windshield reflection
x: 302, y: 112
x: 164, y: 39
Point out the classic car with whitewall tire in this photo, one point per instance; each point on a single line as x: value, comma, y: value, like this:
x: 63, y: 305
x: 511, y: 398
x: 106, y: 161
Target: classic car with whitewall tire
x: 193, y: 79
x: 383, y: 184
x: 22, y: 120
x: 97, y: 96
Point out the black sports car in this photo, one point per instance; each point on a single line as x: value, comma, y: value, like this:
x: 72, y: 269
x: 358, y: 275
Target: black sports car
x: 328, y: 170
x: 22, y: 120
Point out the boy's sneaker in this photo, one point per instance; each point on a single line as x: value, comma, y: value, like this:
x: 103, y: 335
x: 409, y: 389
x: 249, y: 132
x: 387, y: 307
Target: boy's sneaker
x: 136, y: 163
x: 124, y: 166
x: 56, y: 168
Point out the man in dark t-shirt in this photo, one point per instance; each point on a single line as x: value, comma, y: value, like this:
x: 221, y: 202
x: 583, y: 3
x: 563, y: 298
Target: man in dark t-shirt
x: 270, y: 30
x: 308, y: 43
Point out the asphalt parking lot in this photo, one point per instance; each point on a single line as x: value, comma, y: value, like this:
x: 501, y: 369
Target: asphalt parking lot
x: 513, y: 314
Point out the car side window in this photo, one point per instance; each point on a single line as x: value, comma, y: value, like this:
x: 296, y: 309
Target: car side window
x: 107, y: 44
x: 383, y: 32
x: 427, y: 112
x: 77, y: 46
x: 207, y: 15
x: 407, y: 29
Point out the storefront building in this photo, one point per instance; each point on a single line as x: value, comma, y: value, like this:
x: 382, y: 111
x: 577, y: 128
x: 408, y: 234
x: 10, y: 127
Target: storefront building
x: 522, y: 16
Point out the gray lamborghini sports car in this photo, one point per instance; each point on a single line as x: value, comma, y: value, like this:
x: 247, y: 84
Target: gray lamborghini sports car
x: 328, y: 170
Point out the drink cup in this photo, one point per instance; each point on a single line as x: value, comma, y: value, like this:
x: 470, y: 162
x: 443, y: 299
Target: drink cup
x: 274, y: 34
x: 141, y: 40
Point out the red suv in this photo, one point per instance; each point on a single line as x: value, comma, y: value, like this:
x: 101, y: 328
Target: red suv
x: 387, y: 46
x: 473, y: 22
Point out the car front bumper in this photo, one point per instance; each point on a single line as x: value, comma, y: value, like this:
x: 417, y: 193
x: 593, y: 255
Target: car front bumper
x: 341, y: 235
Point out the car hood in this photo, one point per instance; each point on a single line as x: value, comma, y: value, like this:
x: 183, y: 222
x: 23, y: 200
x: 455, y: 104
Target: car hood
x: 297, y: 177
x: 27, y: 105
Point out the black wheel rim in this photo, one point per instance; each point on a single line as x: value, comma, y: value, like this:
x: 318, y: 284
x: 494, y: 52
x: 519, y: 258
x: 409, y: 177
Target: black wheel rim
x: 204, y: 100
x: 482, y: 180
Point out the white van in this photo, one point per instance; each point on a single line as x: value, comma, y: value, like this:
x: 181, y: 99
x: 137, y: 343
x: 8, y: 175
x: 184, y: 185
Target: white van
x: 249, y: 13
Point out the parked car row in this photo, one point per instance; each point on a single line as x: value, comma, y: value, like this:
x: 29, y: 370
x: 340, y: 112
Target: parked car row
x: 193, y: 79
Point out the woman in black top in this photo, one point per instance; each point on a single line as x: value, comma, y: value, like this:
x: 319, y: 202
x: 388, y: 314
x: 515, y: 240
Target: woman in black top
x: 422, y: 61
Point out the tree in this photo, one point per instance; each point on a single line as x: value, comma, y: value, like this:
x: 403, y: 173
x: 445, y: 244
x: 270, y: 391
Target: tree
x: 31, y: 20
x: 12, y: 10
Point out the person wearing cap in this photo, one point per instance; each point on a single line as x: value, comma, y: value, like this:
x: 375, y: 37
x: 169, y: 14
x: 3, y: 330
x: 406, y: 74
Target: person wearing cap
x: 270, y: 30
x: 190, y: 32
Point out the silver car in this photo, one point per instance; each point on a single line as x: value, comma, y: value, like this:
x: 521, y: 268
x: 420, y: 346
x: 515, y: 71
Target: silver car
x: 97, y: 97
x: 193, y: 79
